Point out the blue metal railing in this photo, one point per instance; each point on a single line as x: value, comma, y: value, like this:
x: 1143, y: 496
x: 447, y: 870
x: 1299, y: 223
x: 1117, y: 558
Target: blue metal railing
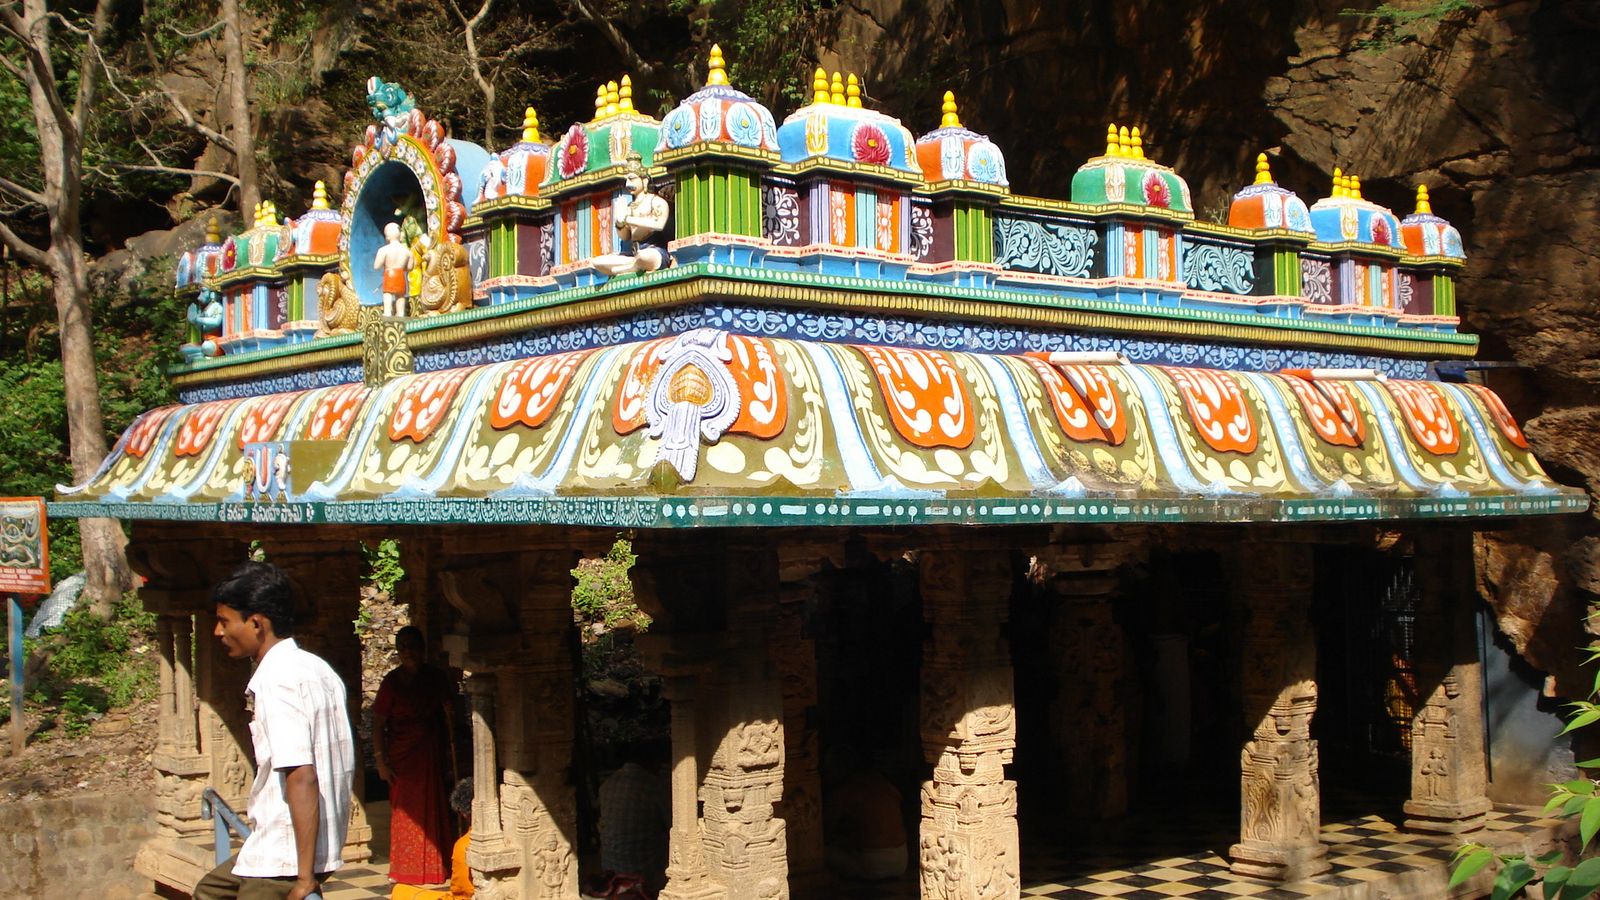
x: 224, y: 820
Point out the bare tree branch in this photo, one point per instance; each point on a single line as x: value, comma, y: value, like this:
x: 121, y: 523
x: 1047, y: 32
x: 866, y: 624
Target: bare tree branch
x: 470, y: 29
x: 21, y: 191
x: 618, y: 40
x: 204, y: 32
x: 86, y: 70
x: 25, y: 251
x: 39, y: 66
x: 174, y: 170
x: 12, y: 67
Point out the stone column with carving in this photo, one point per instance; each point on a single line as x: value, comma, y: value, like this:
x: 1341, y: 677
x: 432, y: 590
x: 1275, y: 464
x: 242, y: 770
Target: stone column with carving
x: 968, y: 844
x: 688, y: 877
x: 1281, y: 806
x: 1088, y: 723
x: 1449, y: 775
x: 745, y: 844
x: 794, y: 654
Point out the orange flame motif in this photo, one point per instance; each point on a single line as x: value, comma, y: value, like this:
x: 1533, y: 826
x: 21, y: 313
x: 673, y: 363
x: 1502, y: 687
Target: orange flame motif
x: 763, y: 389
x: 532, y: 388
x: 142, y: 436
x: 1217, y: 408
x: 1427, y: 414
x: 1087, y: 406
x: 423, y: 404
x: 1502, y: 416
x: 262, y: 419
x: 627, y: 413
x: 200, y: 426
x: 927, y: 402
x: 1331, y: 411
x: 336, y: 412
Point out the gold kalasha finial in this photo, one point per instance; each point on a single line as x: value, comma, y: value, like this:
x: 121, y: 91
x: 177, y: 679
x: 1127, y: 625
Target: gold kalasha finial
x: 1424, y: 208
x: 852, y: 91
x: 272, y: 214
x: 214, y: 230
x: 625, y: 96
x: 714, y: 72
x: 1338, y: 182
x: 1263, y: 171
x: 836, y: 90
x: 530, y: 126
x: 600, y: 102
x: 949, y: 118
x: 319, y: 196
x: 1138, y: 144
x: 1124, y: 141
x: 613, y: 98
x: 819, y: 86
x: 1112, y: 147
x: 1355, y: 186
x: 255, y: 215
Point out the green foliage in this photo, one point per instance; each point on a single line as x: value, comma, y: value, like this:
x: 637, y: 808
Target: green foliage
x: 383, y: 565
x: 604, y: 594
x: 1399, y: 22
x: 98, y: 664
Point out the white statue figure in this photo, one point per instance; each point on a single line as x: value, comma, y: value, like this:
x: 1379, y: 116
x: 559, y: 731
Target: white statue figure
x: 639, y: 218
x: 395, y: 259
x: 280, y: 475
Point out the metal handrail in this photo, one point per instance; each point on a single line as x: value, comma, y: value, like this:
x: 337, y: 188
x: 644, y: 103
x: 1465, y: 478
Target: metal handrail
x: 224, y: 819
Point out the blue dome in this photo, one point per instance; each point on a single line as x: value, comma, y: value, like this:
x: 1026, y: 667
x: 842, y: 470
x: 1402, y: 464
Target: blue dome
x: 849, y: 134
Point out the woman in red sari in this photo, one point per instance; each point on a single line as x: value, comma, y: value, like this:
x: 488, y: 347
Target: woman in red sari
x: 412, y: 738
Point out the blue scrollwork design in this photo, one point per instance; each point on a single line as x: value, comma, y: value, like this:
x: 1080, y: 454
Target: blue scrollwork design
x: 1217, y: 267
x: 1049, y: 248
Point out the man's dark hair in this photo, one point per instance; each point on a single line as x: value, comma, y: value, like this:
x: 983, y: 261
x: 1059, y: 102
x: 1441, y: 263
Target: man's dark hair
x: 259, y: 587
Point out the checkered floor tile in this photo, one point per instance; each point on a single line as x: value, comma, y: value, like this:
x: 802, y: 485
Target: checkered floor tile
x: 1142, y: 858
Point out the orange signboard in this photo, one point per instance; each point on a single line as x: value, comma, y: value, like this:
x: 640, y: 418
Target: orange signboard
x: 24, y: 546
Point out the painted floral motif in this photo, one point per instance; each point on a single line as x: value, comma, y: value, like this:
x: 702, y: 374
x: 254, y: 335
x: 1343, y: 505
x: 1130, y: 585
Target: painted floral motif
x: 762, y: 389
x: 711, y: 120
x: 839, y: 215
x: 780, y: 215
x: 1087, y: 406
x: 1156, y: 191
x: 336, y: 413
x: 262, y: 419
x: 200, y: 426
x: 1316, y: 280
x: 627, y: 413
x: 921, y: 231
x: 1217, y: 408
x: 230, y: 255
x: 423, y: 404
x: 142, y: 436
x: 985, y: 164
x: 574, y: 151
x: 887, y: 230
x: 1116, y: 184
x: 1299, y: 218
x: 1049, y: 248
x: 816, y: 135
x: 530, y: 391
x: 1502, y: 416
x: 927, y: 402
x: 869, y: 144
x: 1349, y: 223
x: 744, y: 126
x: 952, y: 161
x: 1331, y: 411
x: 1427, y: 414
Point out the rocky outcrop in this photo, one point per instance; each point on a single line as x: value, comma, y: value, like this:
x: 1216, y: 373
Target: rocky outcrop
x: 1496, y: 107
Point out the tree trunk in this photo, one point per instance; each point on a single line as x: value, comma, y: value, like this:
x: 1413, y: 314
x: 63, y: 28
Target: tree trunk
x: 244, y: 135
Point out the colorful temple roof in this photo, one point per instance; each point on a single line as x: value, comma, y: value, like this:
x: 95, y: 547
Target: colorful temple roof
x: 710, y: 320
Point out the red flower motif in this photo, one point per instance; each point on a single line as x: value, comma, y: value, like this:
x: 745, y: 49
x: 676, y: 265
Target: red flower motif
x: 870, y: 144
x: 575, y: 152
x: 1156, y: 192
x: 230, y: 256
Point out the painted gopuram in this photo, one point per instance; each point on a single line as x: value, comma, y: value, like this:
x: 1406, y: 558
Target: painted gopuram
x: 1039, y: 501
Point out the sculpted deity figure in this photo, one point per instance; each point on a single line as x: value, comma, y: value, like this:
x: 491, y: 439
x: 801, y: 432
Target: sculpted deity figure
x: 396, y: 261
x: 639, y: 217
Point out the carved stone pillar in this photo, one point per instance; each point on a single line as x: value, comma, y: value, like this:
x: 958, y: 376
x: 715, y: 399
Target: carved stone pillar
x: 794, y: 653
x: 487, y: 836
x: 1281, y: 806
x: 182, y: 770
x: 968, y: 845
x: 688, y: 878
x: 1088, y: 724
x: 745, y: 845
x: 1448, y: 771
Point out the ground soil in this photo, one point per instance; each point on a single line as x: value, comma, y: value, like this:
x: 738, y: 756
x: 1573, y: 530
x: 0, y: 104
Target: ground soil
x: 113, y: 758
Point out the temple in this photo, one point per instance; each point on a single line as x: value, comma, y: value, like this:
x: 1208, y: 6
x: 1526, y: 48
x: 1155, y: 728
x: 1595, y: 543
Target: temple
x: 1085, y: 489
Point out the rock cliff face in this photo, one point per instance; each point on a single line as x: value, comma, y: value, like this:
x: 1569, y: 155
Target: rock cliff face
x: 1496, y: 108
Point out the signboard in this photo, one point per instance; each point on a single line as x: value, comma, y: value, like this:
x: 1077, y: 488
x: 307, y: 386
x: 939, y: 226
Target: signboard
x: 24, y: 547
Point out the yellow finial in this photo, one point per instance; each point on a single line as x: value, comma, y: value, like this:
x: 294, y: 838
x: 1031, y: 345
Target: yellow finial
x: 530, y: 126
x: 852, y: 91
x: 1355, y: 186
x: 714, y: 73
x: 319, y: 196
x: 1423, y: 206
x: 949, y: 119
x: 1138, y: 144
x: 836, y: 90
x: 600, y: 102
x: 1263, y: 172
x: 613, y: 98
x: 214, y: 231
x: 625, y: 98
x: 1112, y: 147
x: 1124, y: 142
x: 1338, y: 182
x: 819, y: 86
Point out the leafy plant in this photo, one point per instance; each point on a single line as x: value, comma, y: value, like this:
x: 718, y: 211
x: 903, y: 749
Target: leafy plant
x: 1397, y: 22
x: 384, y: 570
x: 1576, y: 798
x: 604, y: 594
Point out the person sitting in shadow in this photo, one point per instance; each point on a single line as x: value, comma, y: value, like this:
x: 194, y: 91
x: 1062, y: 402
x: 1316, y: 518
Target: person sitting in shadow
x: 864, y: 832
x: 460, y: 874
x: 635, y: 820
